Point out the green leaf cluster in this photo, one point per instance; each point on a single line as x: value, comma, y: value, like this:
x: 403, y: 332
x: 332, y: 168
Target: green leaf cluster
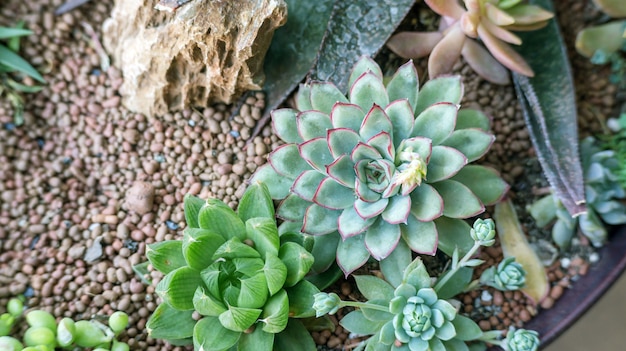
x: 238, y: 273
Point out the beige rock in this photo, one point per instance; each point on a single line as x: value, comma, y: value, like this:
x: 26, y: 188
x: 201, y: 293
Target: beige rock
x: 140, y: 197
x: 203, y: 52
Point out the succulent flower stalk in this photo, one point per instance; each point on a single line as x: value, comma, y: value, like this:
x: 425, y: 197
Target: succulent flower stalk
x: 386, y: 165
x: 521, y: 340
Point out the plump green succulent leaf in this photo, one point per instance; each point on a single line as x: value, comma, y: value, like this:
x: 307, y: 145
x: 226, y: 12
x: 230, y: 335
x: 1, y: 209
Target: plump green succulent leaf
x: 285, y: 126
x: 355, y: 322
x: 292, y: 208
x: 210, y: 334
x: 376, y: 121
x: 455, y: 345
x: 342, y: 170
x: 238, y: 318
x: 404, y: 84
x: 303, y: 97
x: 383, y: 143
x: 253, y: 291
x: 258, y: 339
x: 444, y: 163
x: 307, y: 183
x: 342, y: 140
x: 484, y: 182
x: 333, y: 195
x: 397, y: 210
x: 441, y: 89
x: 192, y: 205
x: 207, y: 305
x: 400, y: 113
x: 166, y: 256
x: 287, y: 162
x: 426, y: 203
x: 315, y: 152
x: 416, y: 276
x: 363, y: 65
x: 381, y: 238
x: 422, y: 237
x: 368, y: 90
x: 278, y: 185
x: 473, y: 143
x: 456, y: 284
x: 324, y: 96
x: 436, y: 122
x: 370, y: 209
x: 217, y: 217
x: 458, y: 200
x: 275, y: 273
x: 377, y: 315
x: 169, y: 323
x: 234, y: 248
x: 264, y: 233
x: 86, y: 333
x: 374, y: 288
x: 294, y: 337
x: 543, y: 210
x: 352, y: 253
x: 297, y: 260
x: 177, y: 288
x: 313, y: 124
x: 256, y: 202
x: 393, y: 266
x: 199, y: 245
x: 453, y: 233
x: 324, y: 251
x: 347, y: 116
x: 301, y: 299
x: 275, y: 313
x: 319, y: 220
x: 470, y: 118
x: 10, y: 343
x: 350, y: 223
x: 466, y: 329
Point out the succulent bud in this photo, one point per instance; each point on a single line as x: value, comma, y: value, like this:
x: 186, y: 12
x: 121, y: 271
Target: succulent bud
x: 8, y: 343
x: 484, y: 232
x: 15, y: 307
x: 522, y: 340
x: 39, y: 318
x: 41, y: 335
x: 65, y: 332
x: 118, y: 321
x: 119, y: 346
x: 326, y: 303
x: 6, y: 323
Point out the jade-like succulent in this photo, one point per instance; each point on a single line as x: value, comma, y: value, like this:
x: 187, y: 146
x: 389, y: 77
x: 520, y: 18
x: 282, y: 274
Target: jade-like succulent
x: 521, y: 340
x: 386, y: 165
x: 508, y: 275
x: 491, y: 21
x: 484, y: 232
x: 234, y: 270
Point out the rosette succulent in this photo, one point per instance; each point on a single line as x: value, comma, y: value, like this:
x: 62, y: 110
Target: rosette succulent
x: 484, y: 232
x: 385, y: 166
x: 492, y: 21
x: 508, y: 275
x: 234, y: 270
x: 521, y: 340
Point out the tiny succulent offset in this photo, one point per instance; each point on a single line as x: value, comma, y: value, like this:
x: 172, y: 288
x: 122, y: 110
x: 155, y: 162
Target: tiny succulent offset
x: 386, y: 166
x: 237, y: 273
x: 508, y: 275
x: 492, y: 21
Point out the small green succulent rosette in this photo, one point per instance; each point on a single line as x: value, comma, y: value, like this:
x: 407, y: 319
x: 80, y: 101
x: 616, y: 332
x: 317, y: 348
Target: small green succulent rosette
x: 386, y: 166
x: 521, y: 340
x: 241, y: 277
x: 508, y: 275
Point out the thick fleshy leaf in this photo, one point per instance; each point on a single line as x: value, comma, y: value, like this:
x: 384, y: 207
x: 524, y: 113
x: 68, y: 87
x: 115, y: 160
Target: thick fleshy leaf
x: 324, y: 250
x: 218, y: 218
x: 436, y: 122
x: 421, y: 237
x: 166, y: 256
x: 341, y: 141
x: 303, y: 97
x: 397, y: 210
x: 445, y: 332
x: 352, y: 253
x: 447, y: 52
x: 178, y: 287
x: 364, y: 193
x: 234, y: 248
x: 324, y: 96
x: 400, y: 112
x: 356, y: 322
x: 404, y: 84
x: 458, y: 200
x: 256, y: 202
x: 169, y: 323
x: 458, y: 345
x: 294, y: 337
x: 444, y: 163
x: 307, y: 183
x: 258, y: 339
x: 199, y: 245
x: 375, y: 121
x: 453, y: 234
x: 501, y: 33
x: 301, y: 299
x: 413, y: 45
x: 381, y: 238
x: 446, y: 8
x: 297, y: 260
x: 426, y: 203
x: 393, y: 266
x: 504, y: 53
x: 192, y: 205
x: 206, y: 304
x: 416, y: 276
x: 319, y: 220
x: 263, y: 232
x: 342, y: 170
x: 364, y: 152
x: 384, y: 144
x: 457, y: 283
x: 347, y: 116
x: 210, y: 334
x: 377, y: 315
x: 315, y: 152
x: 275, y: 273
x: 473, y: 143
x: 368, y: 90
x: 530, y: 14
x: 466, y: 329
x: 442, y: 89
x: 497, y: 16
x: 350, y: 223
x: 606, y: 37
x: 292, y: 208
x: 333, y: 195
x: 275, y: 313
x: 374, y: 288
x: 239, y: 319
x: 285, y: 126
x: 484, y: 64
x: 287, y: 162
x: 313, y: 124
x: 363, y: 65
x: 470, y: 118
x: 370, y: 209
x: 484, y: 182
x: 278, y: 185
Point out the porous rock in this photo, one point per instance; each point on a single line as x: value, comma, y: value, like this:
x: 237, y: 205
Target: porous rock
x: 140, y: 197
x: 203, y: 52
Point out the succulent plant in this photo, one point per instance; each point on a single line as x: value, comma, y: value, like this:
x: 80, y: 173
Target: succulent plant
x: 508, y: 275
x: 385, y: 166
x: 613, y: 8
x: 484, y: 232
x: 489, y: 20
x: 521, y: 340
x: 234, y: 270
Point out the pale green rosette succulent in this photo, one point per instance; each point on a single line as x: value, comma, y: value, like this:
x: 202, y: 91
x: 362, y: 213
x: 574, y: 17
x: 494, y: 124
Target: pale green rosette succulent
x: 241, y: 277
x: 508, y: 275
x: 385, y: 166
x: 521, y: 340
x: 484, y: 232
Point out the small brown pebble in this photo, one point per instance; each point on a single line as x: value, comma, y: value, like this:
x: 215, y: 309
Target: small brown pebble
x: 484, y: 325
x: 498, y: 298
x: 140, y: 197
x: 556, y: 292
x: 547, y: 303
x: 524, y: 315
